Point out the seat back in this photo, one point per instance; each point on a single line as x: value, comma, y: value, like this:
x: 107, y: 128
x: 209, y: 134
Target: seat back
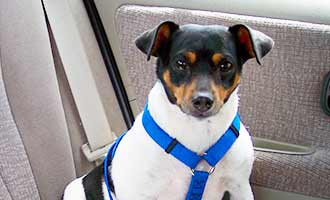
x: 36, y: 157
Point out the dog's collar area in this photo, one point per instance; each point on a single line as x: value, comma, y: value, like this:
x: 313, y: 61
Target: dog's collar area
x: 191, y: 159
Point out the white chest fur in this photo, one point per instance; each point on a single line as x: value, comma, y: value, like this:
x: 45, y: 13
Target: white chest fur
x: 141, y: 170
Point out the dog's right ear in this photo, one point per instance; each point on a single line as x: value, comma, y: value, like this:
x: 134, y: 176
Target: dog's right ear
x: 152, y: 40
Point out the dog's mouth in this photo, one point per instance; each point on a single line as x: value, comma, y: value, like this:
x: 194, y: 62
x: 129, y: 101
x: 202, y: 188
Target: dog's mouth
x: 198, y: 114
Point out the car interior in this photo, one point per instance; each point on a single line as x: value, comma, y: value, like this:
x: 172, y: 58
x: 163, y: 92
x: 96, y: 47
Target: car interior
x: 72, y: 80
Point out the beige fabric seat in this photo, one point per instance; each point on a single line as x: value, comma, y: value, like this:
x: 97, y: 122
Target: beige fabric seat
x: 36, y: 156
x: 279, y: 100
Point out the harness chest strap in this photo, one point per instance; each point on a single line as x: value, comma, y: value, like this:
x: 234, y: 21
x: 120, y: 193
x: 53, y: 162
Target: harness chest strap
x: 191, y: 159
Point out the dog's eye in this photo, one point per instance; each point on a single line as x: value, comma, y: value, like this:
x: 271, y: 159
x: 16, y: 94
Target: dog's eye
x: 224, y: 66
x: 181, y: 65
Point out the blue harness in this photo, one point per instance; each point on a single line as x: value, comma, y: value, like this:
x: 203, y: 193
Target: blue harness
x: 191, y: 159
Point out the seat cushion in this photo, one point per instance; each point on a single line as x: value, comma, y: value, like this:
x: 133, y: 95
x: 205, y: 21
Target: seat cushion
x: 308, y: 174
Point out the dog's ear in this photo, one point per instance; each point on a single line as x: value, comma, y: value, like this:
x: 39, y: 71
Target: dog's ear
x: 251, y: 43
x: 151, y: 41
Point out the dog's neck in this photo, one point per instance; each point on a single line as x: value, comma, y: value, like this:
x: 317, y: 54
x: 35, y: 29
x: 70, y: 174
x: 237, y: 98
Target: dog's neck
x: 196, y: 134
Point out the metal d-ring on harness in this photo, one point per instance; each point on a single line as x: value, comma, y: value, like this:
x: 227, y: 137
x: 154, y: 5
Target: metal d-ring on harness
x: 191, y: 159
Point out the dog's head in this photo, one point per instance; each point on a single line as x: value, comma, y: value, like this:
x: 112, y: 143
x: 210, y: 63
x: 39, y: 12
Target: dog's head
x: 200, y: 66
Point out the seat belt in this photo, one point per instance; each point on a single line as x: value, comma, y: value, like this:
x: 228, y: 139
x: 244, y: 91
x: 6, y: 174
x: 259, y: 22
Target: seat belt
x: 82, y: 83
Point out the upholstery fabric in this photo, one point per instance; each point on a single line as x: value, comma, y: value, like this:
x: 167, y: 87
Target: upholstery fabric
x: 16, y: 178
x: 33, y: 94
x: 279, y: 100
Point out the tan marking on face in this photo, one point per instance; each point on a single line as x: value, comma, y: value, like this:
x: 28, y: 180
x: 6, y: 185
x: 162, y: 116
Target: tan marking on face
x: 175, y: 90
x: 245, y: 40
x: 189, y: 91
x: 222, y: 93
x: 216, y: 58
x: 191, y: 57
x: 182, y: 93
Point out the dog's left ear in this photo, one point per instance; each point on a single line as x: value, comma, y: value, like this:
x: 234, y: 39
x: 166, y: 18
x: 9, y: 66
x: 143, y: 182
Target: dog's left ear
x: 251, y: 43
x: 151, y: 41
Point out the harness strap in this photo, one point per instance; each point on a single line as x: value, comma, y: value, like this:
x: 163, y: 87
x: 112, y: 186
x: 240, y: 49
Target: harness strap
x: 197, y: 185
x: 107, y: 161
x: 191, y: 159
x: 220, y: 148
x: 182, y: 153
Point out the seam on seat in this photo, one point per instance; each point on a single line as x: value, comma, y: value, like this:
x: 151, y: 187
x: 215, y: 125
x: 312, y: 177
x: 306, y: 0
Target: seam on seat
x: 2, y: 180
x: 51, y: 37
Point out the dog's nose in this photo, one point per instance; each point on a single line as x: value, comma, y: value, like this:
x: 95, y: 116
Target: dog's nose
x: 202, y: 103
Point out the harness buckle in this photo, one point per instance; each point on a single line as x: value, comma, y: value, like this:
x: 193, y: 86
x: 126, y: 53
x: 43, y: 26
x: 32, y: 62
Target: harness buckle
x: 210, y: 171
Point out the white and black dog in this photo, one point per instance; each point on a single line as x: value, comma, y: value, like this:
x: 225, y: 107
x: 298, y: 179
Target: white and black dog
x: 194, y: 101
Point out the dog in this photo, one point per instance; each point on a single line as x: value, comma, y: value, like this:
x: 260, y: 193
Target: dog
x: 195, y: 101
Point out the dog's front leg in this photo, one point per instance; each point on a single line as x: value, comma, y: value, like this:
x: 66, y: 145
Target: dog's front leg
x: 242, y: 192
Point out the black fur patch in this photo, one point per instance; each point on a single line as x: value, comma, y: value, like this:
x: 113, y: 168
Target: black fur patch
x: 226, y: 196
x: 92, y: 183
